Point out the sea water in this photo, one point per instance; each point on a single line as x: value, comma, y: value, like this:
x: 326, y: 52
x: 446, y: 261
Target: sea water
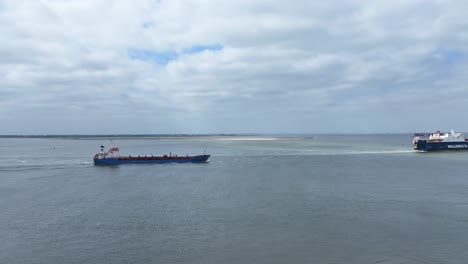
x: 260, y: 199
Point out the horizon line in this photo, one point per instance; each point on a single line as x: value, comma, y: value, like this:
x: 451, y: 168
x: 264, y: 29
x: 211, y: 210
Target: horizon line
x: 192, y: 134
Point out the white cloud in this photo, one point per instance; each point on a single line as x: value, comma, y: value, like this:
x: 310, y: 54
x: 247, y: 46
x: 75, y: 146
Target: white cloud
x: 300, y: 66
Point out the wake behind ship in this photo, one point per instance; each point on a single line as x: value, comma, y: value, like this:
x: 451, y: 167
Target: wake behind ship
x: 112, y: 157
x: 440, y: 141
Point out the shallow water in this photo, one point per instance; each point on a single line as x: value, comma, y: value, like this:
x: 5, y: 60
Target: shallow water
x: 326, y: 199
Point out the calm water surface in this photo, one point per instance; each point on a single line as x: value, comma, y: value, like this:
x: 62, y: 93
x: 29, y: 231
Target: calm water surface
x: 327, y: 199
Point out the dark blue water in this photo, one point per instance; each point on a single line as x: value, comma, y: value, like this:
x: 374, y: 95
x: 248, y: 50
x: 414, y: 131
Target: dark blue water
x: 328, y: 199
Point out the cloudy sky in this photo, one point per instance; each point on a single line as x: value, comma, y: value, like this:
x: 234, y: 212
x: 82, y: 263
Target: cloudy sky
x: 210, y: 66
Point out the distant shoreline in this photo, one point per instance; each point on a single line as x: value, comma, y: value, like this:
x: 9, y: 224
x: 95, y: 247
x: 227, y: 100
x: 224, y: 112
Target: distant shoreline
x: 124, y: 136
x: 182, y: 136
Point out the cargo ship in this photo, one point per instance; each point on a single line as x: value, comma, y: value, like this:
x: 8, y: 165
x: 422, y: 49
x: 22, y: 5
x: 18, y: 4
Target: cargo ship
x: 112, y: 157
x: 440, y: 141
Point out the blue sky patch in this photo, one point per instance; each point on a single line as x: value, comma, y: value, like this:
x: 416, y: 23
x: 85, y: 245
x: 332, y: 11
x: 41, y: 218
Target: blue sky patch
x: 449, y: 55
x: 164, y: 58
x: 152, y: 56
x: 200, y: 48
x: 444, y: 62
x: 148, y: 25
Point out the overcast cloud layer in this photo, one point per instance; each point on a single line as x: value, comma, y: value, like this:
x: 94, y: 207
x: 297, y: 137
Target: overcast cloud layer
x: 208, y: 66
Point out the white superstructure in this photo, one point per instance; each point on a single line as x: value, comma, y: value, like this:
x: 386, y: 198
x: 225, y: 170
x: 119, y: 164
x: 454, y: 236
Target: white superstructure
x: 447, y: 137
x: 112, y: 153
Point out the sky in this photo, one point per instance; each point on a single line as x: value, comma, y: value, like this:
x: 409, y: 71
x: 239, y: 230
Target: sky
x: 211, y: 66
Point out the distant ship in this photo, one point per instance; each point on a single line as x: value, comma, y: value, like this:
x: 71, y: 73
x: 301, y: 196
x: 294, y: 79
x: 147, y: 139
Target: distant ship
x: 440, y: 141
x: 112, y: 157
x: 423, y: 134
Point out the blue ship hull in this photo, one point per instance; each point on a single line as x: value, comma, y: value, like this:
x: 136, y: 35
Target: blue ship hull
x: 151, y: 160
x: 425, y: 145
